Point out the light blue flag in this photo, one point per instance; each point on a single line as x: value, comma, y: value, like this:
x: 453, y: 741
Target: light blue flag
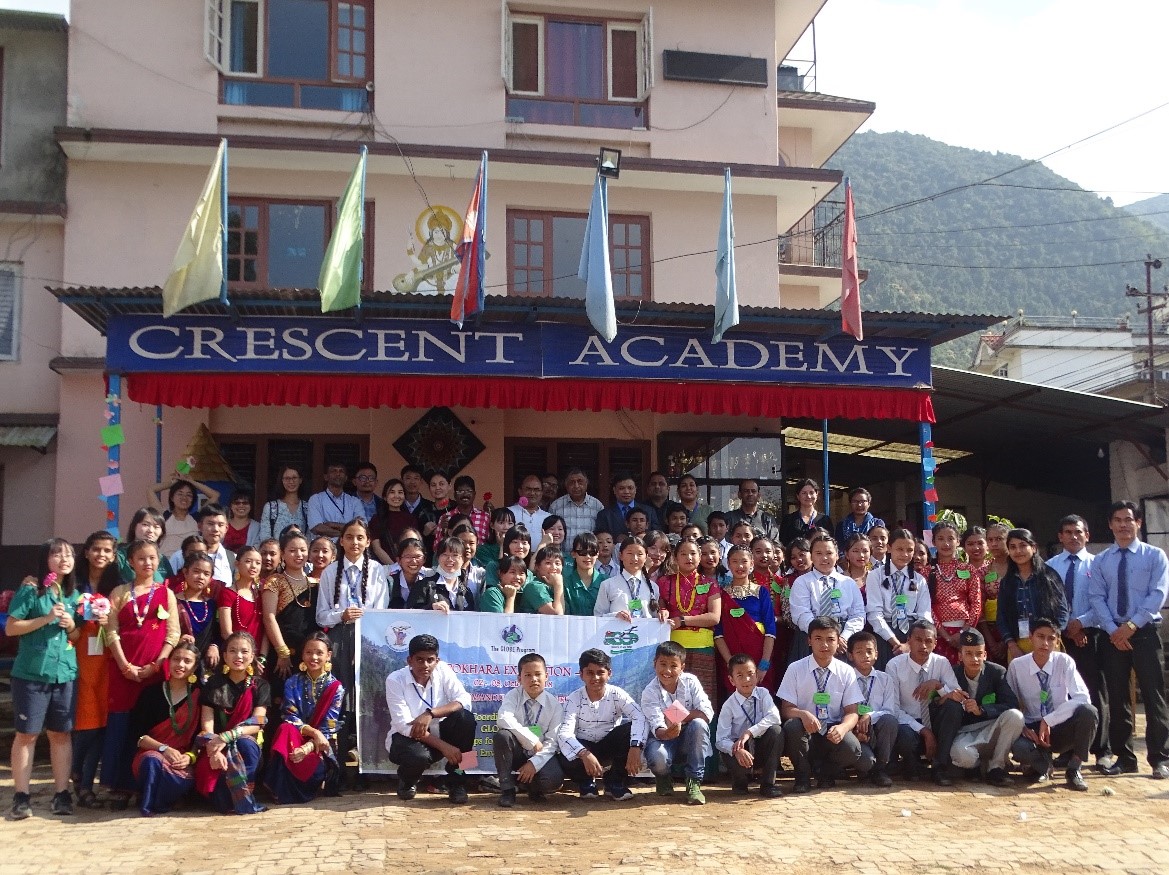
x: 594, y: 264
x: 726, y: 297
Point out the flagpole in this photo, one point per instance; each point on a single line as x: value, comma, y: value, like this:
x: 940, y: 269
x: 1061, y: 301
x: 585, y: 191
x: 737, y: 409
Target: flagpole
x: 223, y: 226
x: 361, y: 202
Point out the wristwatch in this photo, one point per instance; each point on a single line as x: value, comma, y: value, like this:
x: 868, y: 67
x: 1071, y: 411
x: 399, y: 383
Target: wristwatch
x: 682, y: 625
x: 637, y: 744
x: 163, y: 748
x: 428, y: 712
x: 1131, y: 625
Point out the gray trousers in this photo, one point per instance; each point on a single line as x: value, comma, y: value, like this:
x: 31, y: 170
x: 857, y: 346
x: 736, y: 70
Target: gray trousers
x: 806, y: 750
x: 987, y: 744
x: 882, y: 736
x: 510, y: 755
x: 1075, y: 734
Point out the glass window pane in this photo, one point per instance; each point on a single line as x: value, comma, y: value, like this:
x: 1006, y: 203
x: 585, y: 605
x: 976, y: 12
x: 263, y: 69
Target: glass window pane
x: 623, y: 66
x: 250, y: 93
x: 536, y: 256
x: 618, y: 259
x: 519, y: 229
x: 343, y: 14
x: 233, y: 270
x: 343, y: 39
x: 359, y: 16
x: 575, y: 59
x: 618, y: 232
x: 252, y: 217
x: 298, y: 39
x: 250, y: 271
x: 343, y: 65
x: 567, y: 241
x: 245, y: 25
x: 634, y: 233
x: 634, y: 257
x: 525, y: 56
x: 634, y: 285
x: 331, y: 97
x: 234, y: 216
x: 520, y: 256
x: 359, y: 41
x: 296, y: 245
x: 359, y: 66
x: 252, y: 242
x: 536, y: 230
x: 519, y: 281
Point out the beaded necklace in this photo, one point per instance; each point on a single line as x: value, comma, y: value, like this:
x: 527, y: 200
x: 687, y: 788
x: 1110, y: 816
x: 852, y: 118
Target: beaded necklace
x: 189, y: 604
x: 140, y: 616
x: 314, y: 690
x: 172, y: 707
x: 692, y: 579
x: 254, y: 587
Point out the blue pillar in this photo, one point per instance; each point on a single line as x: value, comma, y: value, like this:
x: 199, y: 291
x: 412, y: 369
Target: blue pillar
x: 928, y: 508
x: 824, y: 448
x: 114, y: 453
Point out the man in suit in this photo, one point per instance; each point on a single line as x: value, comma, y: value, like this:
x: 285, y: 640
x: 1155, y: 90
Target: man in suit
x: 1126, y: 592
x: 981, y: 734
x: 612, y: 519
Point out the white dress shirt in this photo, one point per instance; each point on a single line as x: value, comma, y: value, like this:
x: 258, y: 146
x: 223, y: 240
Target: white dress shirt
x: 530, y: 519
x: 545, y: 711
x: 332, y: 601
x: 738, y: 715
x: 1066, y: 687
x: 880, y: 600
x: 907, y: 675
x: 407, y: 699
x: 1079, y: 605
x: 799, y: 685
x: 655, y: 699
x: 879, y: 692
x: 619, y: 590
x: 586, y: 720
x: 849, y: 609
x: 222, y: 561
x: 325, y: 507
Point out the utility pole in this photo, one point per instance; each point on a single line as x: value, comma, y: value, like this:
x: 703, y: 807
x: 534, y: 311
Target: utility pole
x: 1148, y: 294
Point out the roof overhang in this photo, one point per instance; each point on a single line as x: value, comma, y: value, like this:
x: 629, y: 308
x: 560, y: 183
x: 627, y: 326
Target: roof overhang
x: 29, y: 430
x: 832, y: 120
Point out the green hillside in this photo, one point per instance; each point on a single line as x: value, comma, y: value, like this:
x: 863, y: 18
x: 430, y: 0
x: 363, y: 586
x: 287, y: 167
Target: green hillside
x: 1029, y: 240
x: 1156, y: 209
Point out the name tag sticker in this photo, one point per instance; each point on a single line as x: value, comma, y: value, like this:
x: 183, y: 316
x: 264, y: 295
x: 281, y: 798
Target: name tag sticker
x: 635, y: 604
x: 864, y: 709
x: 989, y: 699
x: 95, y: 646
x: 1024, y: 628
x: 738, y: 612
x: 963, y: 574
x: 821, y: 698
x: 536, y: 731
x: 835, y: 593
x: 1045, y: 696
x: 702, y: 588
x: 901, y: 600
x: 991, y: 576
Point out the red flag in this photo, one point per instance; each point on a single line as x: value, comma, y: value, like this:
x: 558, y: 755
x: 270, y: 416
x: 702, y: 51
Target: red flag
x: 850, y: 281
x: 472, y: 251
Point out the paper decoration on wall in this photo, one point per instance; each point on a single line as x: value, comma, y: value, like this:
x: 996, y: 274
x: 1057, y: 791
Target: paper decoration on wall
x: 111, y: 484
x: 439, y: 442
x: 113, y: 435
x: 203, y: 459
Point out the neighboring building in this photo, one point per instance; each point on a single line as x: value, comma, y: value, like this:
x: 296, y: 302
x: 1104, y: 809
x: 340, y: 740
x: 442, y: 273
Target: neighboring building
x: 32, y: 214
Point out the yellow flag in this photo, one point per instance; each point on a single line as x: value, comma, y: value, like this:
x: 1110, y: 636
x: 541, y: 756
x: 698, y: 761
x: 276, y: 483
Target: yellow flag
x: 197, y: 272
x: 340, y: 279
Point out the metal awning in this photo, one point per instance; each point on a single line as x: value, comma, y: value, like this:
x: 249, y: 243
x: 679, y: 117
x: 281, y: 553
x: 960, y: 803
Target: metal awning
x: 37, y: 437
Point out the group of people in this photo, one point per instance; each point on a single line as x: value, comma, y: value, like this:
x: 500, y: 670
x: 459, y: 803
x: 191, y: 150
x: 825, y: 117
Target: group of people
x: 218, y: 670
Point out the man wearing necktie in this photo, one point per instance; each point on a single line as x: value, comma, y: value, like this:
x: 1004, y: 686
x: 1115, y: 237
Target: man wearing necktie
x: 1127, y: 588
x: 1082, y: 638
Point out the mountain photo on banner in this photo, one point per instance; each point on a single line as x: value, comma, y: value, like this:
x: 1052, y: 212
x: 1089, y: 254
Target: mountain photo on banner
x: 919, y: 258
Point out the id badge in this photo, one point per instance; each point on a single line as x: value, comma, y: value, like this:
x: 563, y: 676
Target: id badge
x: 821, y: 701
x: 863, y: 709
x: 1024, y: 628
x: 635, y: 606
x: 95, y: 646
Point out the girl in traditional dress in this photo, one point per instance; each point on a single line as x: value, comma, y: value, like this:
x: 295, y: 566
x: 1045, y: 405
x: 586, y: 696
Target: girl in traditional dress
x: 322, y: 553
x: 766, y: 574
x: 289, y: 604
x: 747, y: 621
x: 302, y: 756
x: 694, y: 607
x: 974, y: 541
x: 234, y: 708
x: 239, y: 608
x: 164, y: 720
x: 143, y: 628
x: 955, y: 592
x: 147, y: 524
x: 198, y: 619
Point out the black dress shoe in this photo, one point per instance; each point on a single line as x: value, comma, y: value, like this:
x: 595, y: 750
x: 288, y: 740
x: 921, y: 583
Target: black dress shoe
x: 880, y: 778
x: 1119, y: 768
x: 1075, y: 781
x: 942, y: 777
x: 999, y: 778
x: 1160, y: 771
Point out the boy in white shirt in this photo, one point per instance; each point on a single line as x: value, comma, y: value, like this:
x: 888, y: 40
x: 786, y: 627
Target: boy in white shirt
x: 600, y: 721
x: 818, y: 700
x: 924, y: 681
x: 877, y: 712
x: 674, y: 735
x: 826, y: 591
x: 525, y: 735
x: 1056, y: 705
x: 430, y: 719
x: 748, y: 733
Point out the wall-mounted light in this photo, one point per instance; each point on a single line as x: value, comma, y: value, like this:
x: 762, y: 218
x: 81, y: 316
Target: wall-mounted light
x: 609, y: 162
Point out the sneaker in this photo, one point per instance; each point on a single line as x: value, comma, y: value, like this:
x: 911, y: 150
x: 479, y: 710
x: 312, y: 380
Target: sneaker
x: 999, y: 778
x: 878, y: 777
x: 619, y: 793
x: 458, y: 793
x: 62, y: 803
x: 802, y: 787
x: 507, y: 799
x: 694, y: 795
x: 407, y: 792
x: 825, y: 782
x: 588, y: 789
x: 770, y: 791
x: 1160, y: 772
x: 489, y: 784
x: 665, y: 785
x: 20, y: 806
x: 1074, y: 780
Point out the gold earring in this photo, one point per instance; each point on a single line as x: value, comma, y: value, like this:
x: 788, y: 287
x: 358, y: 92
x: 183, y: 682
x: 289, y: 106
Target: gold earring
x: 251, y: 670
x: 328, y: 666
x: 191, y: 679
x: 226, y: 670
x: 303, y: 667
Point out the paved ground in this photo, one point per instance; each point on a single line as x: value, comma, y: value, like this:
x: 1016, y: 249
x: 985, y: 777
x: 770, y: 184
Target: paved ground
x: 855, y: 828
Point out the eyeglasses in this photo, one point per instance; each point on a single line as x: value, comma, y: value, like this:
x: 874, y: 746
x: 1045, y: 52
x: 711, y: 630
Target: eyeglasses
x: 366, y: 478
x: 591, y: 551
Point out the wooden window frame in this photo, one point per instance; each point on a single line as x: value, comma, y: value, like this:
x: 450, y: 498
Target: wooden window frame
x: 601, y: 488
x: 16, y: 267
x: 312, y: 479
x: 548, y: 281
x: 262, y: 250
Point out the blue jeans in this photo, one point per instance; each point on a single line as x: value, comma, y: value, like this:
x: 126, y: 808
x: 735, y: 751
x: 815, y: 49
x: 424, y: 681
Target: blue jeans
x: 692, y: 747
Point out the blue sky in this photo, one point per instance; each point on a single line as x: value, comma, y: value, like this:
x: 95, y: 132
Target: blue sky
x: 1020, y: 76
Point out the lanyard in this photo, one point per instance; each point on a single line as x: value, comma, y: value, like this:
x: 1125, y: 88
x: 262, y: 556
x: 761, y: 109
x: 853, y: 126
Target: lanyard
x: 532, y: 721
x: 418, y: 692
x: 340, y: 507
x: 869, y: 691
x: 633, y: 593
x: 754, y: 709
x: 822, y: 686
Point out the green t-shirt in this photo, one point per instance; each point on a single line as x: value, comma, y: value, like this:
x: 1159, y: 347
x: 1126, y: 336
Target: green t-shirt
x: 45, y: 654
x: 579, y: 600
x: 127, y: 573
x: 528, y: 600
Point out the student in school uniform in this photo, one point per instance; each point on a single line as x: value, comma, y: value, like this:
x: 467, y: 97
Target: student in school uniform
x: 601, y: 723
x: 980, y: 736
x: 818, y: 700
x: 895, y: 596
x: 1056, y: 706
x: 825, y: 591
x: 430, y: 720
x: 674, y: 735
x: 525, y: 735
x: 878, y: 713
x: 923, y: 680
x: 749, y: 734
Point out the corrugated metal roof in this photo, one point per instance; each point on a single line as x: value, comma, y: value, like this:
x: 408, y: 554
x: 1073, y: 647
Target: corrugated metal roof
x: 96, y: 303
x: 815, y: 100
x: 35, y: 436
x: 20, y: 19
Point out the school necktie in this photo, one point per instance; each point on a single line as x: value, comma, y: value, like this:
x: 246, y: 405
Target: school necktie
x: 1122, y: 586
x: 351, y: 579
x: 1069, y: 579
x: 825, y: 598
x: 1044, y: 693
x: 821, y: 678
x: 529, y: 719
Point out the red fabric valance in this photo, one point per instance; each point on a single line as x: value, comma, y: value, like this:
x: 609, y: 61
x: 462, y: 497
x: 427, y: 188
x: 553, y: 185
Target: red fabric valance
x: 503, y: 393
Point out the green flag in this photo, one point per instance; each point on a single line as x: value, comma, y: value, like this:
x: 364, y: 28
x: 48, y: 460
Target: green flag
x: 340, y: 280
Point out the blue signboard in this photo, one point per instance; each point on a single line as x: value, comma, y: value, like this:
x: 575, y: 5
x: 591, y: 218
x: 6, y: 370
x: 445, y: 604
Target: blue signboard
x: 150, y: 344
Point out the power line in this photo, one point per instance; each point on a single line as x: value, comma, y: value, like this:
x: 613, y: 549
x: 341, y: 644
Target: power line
x: 1004, y: 266
x: 1112, y: 218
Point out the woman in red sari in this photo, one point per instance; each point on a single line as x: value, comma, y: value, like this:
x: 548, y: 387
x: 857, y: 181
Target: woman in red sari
x: 748, y: 621
x: 234, y: 709
x: 142, y: 629
x: 302, y: 756
x: 241, y: 608
x: 164, y: 720
x: 695, y: 607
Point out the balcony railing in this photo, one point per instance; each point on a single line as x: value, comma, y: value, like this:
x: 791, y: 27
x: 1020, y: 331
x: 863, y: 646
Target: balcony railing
x: 816, y: 238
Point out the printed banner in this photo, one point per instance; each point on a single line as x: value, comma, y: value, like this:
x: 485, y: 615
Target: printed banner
x: 193, y: 344
x: 484, y: 649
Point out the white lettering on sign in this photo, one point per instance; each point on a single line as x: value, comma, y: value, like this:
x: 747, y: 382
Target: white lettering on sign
x: 459, y: 355
x: 254, y: 340
x: 733, y: 362
x: 693, y: 350
x: 137, y: 337
x: 858, y: 352
x: 593, y: 347
x: 891, y: 351
x: 337, y: 357
x: 384, y: 345
x: 499, y: 339
x: 208, y: 338
x: 297, y: 338
x: 634, y: 360
x: 791, y: 355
